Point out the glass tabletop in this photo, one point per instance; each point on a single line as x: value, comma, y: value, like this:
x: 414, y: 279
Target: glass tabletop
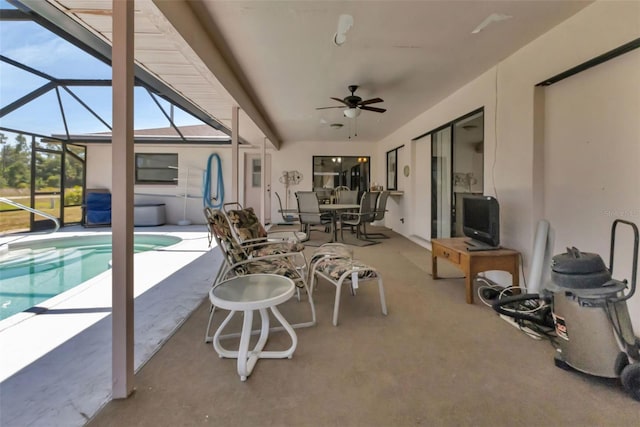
x: 264, y: 289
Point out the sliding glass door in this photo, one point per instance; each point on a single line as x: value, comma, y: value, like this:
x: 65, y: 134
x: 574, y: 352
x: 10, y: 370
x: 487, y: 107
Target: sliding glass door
x: 441, y: 163
x: 457, y: 157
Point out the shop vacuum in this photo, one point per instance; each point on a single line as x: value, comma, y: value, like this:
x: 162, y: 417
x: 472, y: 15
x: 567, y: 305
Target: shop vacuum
x: 588, y: 309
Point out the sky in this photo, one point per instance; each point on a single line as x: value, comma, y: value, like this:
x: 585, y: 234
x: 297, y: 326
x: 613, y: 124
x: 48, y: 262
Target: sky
x: 33, y: 45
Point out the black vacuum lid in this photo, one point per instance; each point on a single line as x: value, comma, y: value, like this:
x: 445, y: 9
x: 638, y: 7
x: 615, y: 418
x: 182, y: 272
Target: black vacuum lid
x: 575, y: 262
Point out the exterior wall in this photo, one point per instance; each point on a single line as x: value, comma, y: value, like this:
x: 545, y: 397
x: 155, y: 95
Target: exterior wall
x: 299, y: 156
x: 192, y: 157
x: 591, y: 157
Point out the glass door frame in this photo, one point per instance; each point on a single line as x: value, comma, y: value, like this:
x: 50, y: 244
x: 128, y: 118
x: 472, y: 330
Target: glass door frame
x: 436, y: 214
x: 36, y: 225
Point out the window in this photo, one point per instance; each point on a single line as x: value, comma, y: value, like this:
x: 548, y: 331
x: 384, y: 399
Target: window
x: 392, y: 169
x: 157, y: 168
x: 337, y: 171
x: 256, y: 170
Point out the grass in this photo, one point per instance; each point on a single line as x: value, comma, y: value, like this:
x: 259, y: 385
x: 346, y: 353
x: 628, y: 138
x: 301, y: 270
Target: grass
x: 12, y: 220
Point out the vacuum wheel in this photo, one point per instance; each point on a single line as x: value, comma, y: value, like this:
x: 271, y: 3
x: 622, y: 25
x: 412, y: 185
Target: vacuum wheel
x: 630, y: 378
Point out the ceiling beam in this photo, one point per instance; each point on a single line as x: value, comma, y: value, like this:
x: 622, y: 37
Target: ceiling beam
x: 193, y: 22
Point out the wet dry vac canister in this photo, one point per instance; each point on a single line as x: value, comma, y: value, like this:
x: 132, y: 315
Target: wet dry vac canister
x: 587, y: 314
x: 590, y: 314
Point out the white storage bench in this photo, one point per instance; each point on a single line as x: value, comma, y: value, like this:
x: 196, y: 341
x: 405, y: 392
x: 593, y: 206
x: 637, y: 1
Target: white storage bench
x: 149, y: 214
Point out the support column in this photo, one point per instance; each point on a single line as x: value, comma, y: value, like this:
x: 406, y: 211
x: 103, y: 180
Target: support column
x: 122, y: 200
x: 235, y: 112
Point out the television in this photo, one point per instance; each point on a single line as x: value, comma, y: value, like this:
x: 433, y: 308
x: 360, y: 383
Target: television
x: 481, y: 221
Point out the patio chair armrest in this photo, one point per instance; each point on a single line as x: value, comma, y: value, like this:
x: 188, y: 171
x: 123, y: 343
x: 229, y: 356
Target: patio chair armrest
x: 253, y: 242
x: 290, y: 255
x: 296, y: 268
x: 284, y: 236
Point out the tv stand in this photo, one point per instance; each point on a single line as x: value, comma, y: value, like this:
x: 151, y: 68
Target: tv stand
x: 472, y: 262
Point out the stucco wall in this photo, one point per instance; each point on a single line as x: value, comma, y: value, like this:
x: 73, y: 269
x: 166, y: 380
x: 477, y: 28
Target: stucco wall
x: 299, y: 156
x: 513, y: 168
x: 195, y: 158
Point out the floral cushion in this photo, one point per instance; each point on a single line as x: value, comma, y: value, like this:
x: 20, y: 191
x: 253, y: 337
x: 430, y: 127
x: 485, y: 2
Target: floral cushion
x: 221, y: 229
x: 282, y: 267
x: 248, y: 227
x: 332, y: 250
x: 336, y: 267
x: 219, y: 226
x: 278, y: 248
x: 246, y: 224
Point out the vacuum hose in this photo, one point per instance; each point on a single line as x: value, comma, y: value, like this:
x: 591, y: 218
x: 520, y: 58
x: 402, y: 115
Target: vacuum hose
x: 207, y: 197
x: 540, y: 318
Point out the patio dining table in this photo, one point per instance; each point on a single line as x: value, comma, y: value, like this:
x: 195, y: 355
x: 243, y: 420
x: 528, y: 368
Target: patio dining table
x: 336, y: 208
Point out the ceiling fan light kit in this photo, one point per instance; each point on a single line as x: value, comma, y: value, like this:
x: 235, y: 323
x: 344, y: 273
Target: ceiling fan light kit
x: 353, y: 104
x: 351, y: 113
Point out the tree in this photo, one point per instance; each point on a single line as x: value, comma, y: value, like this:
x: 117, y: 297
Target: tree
x: 3, y: 141
x: 16, y: 163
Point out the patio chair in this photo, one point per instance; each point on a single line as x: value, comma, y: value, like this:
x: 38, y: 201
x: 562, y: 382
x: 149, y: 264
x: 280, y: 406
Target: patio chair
x: 364, y: 215
x: 239, y: 261
x: 251, y: 235
x: 254, y: 228
x: 379, y: 216
x: 309, y: 212
x: 287, y: 218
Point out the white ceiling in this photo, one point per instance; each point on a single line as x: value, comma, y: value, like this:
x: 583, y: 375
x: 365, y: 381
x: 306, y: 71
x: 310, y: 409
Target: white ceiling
x: 412, y: 54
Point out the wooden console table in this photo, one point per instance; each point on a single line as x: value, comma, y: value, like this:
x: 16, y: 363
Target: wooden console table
x: 471, y: 263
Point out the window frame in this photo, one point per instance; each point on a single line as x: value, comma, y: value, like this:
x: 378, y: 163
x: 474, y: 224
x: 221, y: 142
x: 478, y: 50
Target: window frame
x: 172, y: 165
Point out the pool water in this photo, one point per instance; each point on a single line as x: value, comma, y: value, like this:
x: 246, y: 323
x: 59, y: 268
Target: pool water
x: 35, y: 271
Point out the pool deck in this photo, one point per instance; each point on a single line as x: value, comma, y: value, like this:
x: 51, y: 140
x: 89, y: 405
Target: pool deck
x: 55, y: 366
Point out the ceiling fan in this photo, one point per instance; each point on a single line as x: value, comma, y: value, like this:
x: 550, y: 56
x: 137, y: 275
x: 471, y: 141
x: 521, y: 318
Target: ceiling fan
x: 354, y: 104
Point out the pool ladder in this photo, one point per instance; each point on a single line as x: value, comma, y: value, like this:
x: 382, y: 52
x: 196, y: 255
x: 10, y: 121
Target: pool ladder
x: 34, y: 211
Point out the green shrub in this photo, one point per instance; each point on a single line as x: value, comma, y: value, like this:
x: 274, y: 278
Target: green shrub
x: 73, y: 196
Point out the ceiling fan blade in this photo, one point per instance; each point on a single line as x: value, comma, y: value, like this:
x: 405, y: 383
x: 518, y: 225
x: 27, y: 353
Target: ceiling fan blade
x: 341, y: 100
x: 371, y: 101
x: 325, y: 108
x: 376, y: 109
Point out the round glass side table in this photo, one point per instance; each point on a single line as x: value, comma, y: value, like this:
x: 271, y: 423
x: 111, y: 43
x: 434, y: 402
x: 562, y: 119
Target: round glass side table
x: 247, y: 294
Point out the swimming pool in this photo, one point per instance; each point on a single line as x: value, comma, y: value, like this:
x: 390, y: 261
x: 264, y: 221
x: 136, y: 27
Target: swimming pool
x: 35, y: 271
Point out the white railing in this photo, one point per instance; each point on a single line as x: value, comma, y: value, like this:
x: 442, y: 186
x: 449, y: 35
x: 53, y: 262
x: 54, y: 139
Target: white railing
x: 34, y: 211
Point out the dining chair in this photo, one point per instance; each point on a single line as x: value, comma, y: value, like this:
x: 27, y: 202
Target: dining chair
x: 324, y: 195
x: 287, y: 218
x: 309, y: 212
x: 347, y: 197
x: 364, y: 215
x: 380, y: 209
x: 338, y: 190
x: 239, y: 261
